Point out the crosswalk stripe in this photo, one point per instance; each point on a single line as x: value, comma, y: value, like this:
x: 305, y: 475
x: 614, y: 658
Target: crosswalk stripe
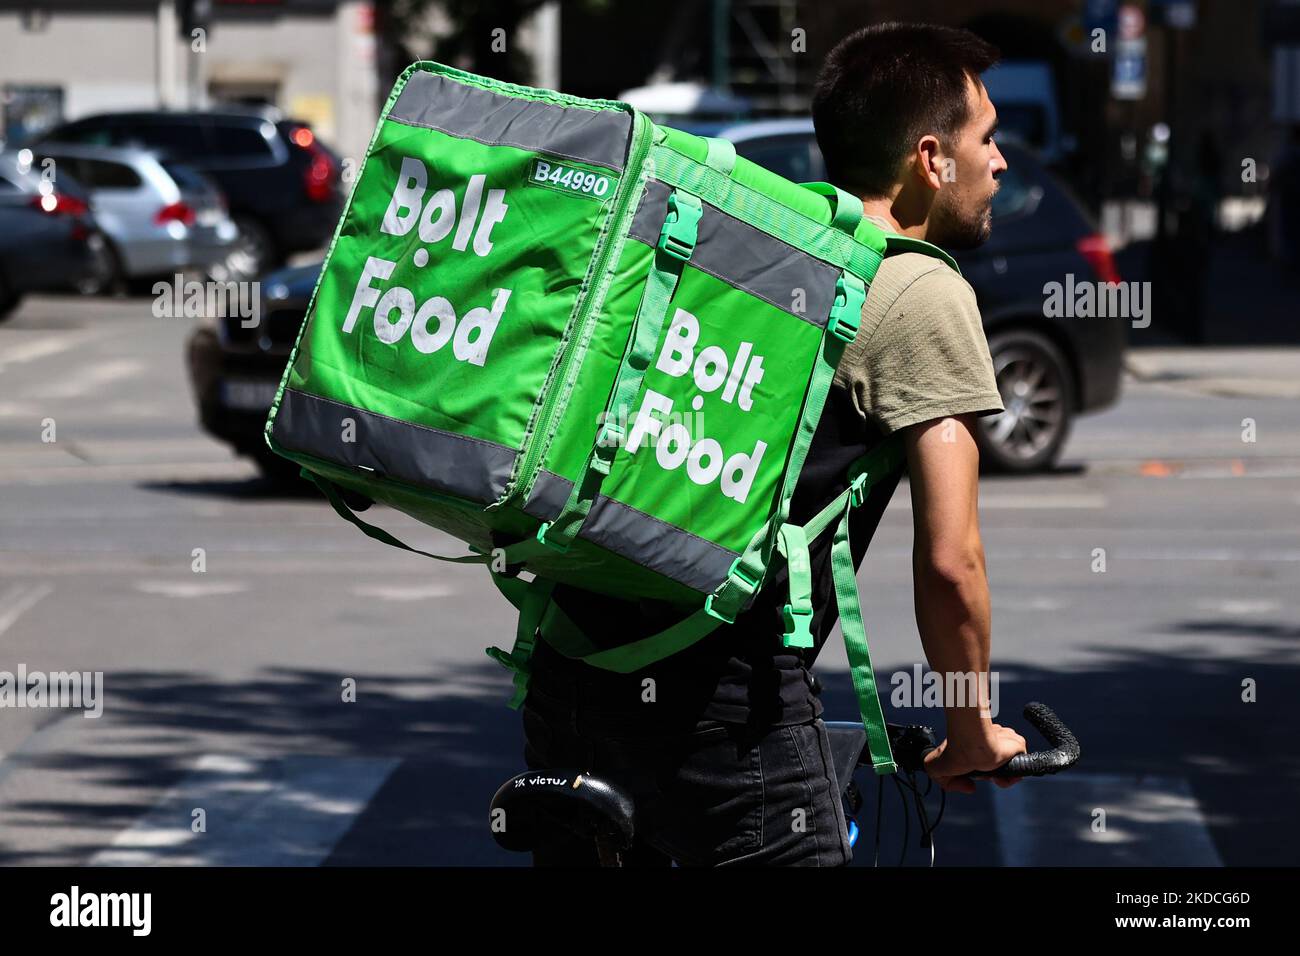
x: 1149, y: 821
x: 286, y: 812
x: 18, y: 600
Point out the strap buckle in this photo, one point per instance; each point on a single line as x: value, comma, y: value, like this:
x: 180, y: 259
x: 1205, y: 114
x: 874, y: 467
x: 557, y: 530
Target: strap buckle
x: 541, y: 537
x: 846, y: 313
x: 681, y: 227
x: 608, y: 441
x: 508, y: 661
x: 746, y: 584
x: 797, y: 630
x: 858, y: 490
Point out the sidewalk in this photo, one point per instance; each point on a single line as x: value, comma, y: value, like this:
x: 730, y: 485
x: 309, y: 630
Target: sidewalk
x: 1228, y: 371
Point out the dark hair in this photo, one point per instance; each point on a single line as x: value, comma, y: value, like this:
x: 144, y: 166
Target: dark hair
x: 884, y: 87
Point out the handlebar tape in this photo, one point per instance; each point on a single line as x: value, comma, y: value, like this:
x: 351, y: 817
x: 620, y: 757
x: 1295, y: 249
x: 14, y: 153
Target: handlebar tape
x: 1064, y: 750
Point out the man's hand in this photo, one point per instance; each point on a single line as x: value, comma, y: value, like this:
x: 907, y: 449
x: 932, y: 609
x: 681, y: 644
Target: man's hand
x: 954, y: 757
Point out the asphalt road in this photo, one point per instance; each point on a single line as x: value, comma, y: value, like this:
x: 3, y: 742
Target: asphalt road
x: 223, y: 688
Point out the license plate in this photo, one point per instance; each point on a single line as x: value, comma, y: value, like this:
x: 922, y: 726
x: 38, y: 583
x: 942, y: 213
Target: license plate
x: 208, y: 217
x: 248, y: 396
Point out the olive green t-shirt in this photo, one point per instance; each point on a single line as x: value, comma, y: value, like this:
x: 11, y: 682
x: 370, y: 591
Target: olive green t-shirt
x: 920, y: 352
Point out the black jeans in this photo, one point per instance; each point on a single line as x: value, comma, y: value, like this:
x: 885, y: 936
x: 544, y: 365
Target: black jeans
x: 711, y: 794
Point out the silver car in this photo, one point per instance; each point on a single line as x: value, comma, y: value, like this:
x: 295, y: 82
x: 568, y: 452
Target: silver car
x: 160, y: 217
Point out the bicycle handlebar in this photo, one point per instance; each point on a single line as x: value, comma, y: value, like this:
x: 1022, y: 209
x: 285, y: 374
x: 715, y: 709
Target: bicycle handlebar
x: 1064, y: 750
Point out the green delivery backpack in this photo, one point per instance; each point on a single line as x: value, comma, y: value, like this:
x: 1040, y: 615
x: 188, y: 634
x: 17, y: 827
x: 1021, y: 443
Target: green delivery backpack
x: 592, y: 348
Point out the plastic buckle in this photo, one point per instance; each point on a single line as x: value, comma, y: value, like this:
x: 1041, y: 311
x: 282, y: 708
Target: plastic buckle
x: 843, y: 321
x: 541, y: 536
x: 733, y: 574
x: 857, y: 490
x: 608, y: 441
x: 797, y: 630
x: 507, y: 660
x: 680, y: 229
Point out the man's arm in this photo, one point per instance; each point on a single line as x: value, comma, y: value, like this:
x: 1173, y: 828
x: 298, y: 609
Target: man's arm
x: 951, y: 592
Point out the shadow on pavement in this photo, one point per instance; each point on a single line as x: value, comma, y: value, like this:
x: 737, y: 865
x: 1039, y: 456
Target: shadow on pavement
x: 1142, y: 716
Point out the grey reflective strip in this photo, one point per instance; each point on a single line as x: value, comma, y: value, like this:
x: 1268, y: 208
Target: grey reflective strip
x: 747, y: 258
x: 637, y: 536
x: 599, y: 137
x: 425, y: 457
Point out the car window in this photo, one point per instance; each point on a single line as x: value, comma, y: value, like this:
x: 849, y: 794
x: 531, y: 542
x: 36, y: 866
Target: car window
x: 232, y: 141
x: 63, y: 166
x: 101, y: 174
x: 1014, y: 195
x: 181, y: 140
x: 85, y: 133
x: 1027, y: 121
x: 792, y: 155
x: 187, y: 178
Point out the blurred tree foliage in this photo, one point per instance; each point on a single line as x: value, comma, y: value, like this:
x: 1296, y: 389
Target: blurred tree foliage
x: 479, y: 35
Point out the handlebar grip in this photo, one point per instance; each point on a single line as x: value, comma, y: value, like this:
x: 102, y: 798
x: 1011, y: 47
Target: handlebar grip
x: 1064, y: 750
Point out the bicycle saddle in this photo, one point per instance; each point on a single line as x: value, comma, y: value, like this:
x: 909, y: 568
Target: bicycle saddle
x: 540, y: 801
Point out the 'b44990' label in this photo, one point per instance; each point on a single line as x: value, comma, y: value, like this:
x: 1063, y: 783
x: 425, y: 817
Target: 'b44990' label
x: 572, y: 179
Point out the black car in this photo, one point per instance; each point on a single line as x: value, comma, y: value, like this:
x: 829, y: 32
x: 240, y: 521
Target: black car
x: 49, y: 241
x: 235, y: 365
x: 281, y: 183
x: 1048, y: 369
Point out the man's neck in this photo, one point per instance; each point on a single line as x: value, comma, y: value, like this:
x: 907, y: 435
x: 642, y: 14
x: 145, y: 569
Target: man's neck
x: 894, y: 213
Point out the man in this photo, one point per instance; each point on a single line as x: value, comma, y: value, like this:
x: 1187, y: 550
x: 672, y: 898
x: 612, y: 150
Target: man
x: 722, y: 745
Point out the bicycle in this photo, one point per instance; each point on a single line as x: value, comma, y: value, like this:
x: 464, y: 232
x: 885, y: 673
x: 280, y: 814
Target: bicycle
x: 599, y: 809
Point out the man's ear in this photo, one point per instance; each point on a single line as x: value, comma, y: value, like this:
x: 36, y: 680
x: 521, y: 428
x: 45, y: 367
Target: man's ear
x: 928, y: 161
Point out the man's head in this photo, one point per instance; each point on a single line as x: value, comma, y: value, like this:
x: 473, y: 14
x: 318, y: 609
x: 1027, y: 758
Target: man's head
x: 901, y: 114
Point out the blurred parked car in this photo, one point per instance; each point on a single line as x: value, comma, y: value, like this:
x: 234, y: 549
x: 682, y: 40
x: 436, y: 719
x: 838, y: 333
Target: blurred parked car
x: 235, y: 370
x: 282, y: 184
x: 160, y: 216
x: 1048, y: 369
x: 48, y: 238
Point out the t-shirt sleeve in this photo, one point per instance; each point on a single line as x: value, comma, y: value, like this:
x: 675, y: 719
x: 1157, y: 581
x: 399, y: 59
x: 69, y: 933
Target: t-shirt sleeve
x: 928, y: 357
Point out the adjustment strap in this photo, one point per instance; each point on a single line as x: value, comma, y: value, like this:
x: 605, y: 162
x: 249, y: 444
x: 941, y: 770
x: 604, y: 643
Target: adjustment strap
x: 677, y: 241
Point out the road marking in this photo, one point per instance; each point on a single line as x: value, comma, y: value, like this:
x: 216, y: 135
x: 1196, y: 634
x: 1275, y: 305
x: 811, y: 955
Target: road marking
x: 190, y: 589
x: 87, y: 380
x: 287, y: 812
x: 1149, y: 820
x: 82, y: 473
x: 18, y: 600
x: 396, y: 592
x: 1236, y: 606
x: 43, y: 346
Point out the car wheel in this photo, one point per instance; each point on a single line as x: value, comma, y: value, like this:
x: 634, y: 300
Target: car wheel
x: 1037, y: 388
x: 252, y: 254
x: 107, y: 275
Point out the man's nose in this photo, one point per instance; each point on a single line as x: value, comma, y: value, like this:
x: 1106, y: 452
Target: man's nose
x: 999, y: 161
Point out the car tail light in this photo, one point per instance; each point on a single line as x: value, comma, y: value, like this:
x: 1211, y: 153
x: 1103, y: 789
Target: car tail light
x: 321, y: 174
x: 60, y: 204
x: 175, y: 212
x: 1096, y: 250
